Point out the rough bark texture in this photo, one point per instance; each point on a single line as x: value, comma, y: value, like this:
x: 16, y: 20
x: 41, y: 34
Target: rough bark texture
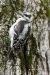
x: 37, y: 60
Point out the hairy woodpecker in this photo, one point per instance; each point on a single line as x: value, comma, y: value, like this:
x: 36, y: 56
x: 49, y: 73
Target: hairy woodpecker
x: 18, y: 32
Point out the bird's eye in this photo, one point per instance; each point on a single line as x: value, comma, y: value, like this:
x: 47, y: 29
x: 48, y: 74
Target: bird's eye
x: 27, y: 15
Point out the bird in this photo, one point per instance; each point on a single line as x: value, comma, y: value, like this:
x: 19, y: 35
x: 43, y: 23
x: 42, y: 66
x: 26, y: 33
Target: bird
x: 19, y: 33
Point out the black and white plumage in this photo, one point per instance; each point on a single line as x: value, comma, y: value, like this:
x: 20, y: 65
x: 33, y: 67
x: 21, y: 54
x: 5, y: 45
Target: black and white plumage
x: 19, y: 31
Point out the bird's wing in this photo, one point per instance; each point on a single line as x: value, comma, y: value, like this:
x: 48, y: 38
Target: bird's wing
x: 19, y: 27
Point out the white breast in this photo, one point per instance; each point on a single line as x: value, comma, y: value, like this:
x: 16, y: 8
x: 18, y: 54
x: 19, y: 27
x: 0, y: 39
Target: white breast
x: 25, y: 30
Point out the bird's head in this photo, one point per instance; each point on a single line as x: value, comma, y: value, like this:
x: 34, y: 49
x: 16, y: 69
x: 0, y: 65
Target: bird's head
x: 27, y: 16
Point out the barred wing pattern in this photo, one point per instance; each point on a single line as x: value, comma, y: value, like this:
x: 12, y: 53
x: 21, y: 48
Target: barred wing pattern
x: 22, y: 31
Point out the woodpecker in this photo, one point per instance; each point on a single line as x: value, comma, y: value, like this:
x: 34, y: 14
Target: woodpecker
x: 18, y: 32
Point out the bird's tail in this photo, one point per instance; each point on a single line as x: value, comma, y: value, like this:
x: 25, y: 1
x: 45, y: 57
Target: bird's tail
x: 25, y: 57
